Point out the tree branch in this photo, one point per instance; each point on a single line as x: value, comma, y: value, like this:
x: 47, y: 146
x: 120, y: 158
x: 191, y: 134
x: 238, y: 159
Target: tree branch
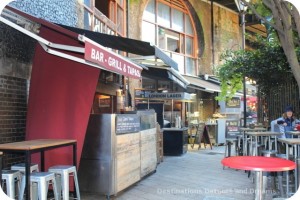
x: 262, y: 18
x: 283, y: 15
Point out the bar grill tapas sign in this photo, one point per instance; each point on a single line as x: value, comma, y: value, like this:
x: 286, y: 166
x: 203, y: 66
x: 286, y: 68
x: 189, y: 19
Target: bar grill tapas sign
x: 110, y: 61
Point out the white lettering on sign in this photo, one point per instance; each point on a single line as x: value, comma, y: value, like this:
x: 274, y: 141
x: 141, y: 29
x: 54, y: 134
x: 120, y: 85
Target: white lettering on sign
x: 179, y: 95
x: 114, y: 63
x: 96, y: 55
x: 108, y: 60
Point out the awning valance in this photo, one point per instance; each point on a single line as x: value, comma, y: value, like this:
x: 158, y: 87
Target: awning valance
x: 197, y: 83
x: 146, y: 52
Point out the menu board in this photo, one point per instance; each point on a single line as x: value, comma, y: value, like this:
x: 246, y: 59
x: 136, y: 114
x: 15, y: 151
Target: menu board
x: 127, y: 123
x: 234, y: 102
x: 232, y: 127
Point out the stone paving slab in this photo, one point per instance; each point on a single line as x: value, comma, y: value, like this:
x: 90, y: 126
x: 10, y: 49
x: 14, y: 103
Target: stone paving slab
x: 197, y: 175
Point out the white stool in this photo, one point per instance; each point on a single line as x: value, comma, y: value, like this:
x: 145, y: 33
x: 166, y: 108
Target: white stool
x: 42, y: 179
x: 10, y: 177
x: 21, y: 167
x: 62, y: 173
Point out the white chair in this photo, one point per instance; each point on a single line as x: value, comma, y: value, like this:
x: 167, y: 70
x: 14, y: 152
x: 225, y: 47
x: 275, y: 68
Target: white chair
x: 3, y: 196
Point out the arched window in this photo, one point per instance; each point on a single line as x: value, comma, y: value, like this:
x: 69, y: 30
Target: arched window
x: 167, y: 24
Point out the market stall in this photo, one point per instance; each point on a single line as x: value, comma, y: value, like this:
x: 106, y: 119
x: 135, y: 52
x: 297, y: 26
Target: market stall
x: 119, y: 150
x: 175, y: 138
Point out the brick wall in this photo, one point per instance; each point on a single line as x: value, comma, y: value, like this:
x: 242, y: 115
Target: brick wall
x: 13, y: 108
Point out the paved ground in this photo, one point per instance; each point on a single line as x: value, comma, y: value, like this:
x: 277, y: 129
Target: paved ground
x: 196, y: 175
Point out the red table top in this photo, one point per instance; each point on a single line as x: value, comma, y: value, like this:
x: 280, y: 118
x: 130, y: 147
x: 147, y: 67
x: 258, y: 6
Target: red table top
x: 259, y: 163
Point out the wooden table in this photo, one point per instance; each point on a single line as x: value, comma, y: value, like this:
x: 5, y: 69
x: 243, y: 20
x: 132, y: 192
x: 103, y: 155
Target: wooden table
x: 297, y: 133
x: 259, y: 164
x: 268, y: 134
x: 37, y: 146
x: 294, y: 142
x: 246, y: 130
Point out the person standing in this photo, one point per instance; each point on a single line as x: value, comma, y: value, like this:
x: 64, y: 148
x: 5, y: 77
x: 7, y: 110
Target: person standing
x: 287, y: 122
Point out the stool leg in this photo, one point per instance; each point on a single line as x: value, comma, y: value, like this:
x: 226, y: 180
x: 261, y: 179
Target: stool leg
x: 42, y: 190
x: 54, y: 185
x: 22, y: 190
x: 10, y: 186
x: 65, y: 185
x: 58, y: 184
x: 280, y: 186
x: 225, y: 155
x: 229, y: 149
x: 76, y: 185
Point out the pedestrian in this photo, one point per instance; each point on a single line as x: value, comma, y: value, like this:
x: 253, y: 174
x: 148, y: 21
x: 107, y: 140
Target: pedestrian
x: 287, y: 122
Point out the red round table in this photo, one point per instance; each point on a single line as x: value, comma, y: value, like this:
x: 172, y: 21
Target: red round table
x: 259, y: 164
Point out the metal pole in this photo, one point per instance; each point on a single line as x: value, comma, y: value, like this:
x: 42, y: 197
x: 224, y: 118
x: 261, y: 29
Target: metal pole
x: 243, y: 13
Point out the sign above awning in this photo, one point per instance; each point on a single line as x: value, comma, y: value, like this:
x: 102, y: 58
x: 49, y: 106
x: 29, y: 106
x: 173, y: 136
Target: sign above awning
x: 110, y: 61
x: 175, y: 95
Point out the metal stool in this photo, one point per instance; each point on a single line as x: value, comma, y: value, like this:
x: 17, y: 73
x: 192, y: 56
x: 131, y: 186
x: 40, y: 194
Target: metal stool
x: 252, y: 148
x: 11, y: 177
x: 42, y: 179
x: 280, y: 174
x: 62, y: 173
x: 229, y: 142
x: 21, y: 167
x: 269, y: 153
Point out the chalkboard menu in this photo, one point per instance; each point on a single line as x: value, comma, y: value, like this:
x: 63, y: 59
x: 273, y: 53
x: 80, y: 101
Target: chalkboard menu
x: 127, y: 123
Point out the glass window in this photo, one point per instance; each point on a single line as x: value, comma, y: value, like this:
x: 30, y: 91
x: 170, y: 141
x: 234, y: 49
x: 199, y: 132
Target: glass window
x: 149, y: 13
x: 177, y: 20
x: 188, y: 25
x: 163, y: 15
x: 149, y: 83
x: 163, y: 85
x: 148, y: 32
x: 121, y: 3
x: 172, y: 43
x: 168, y: 40
x: 120, y: 22
x: 112, y: 11
x: 87, y: 20
x: 161, y: 38
x: 189, y: 46
x: 88, y: 3
x: 180, y: 61
x: 169, y: 26
x: 190, y: 66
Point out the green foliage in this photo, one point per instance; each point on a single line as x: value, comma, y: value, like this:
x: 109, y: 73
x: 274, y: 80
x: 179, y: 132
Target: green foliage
x: 267, y: 65
x: 262, y: 9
